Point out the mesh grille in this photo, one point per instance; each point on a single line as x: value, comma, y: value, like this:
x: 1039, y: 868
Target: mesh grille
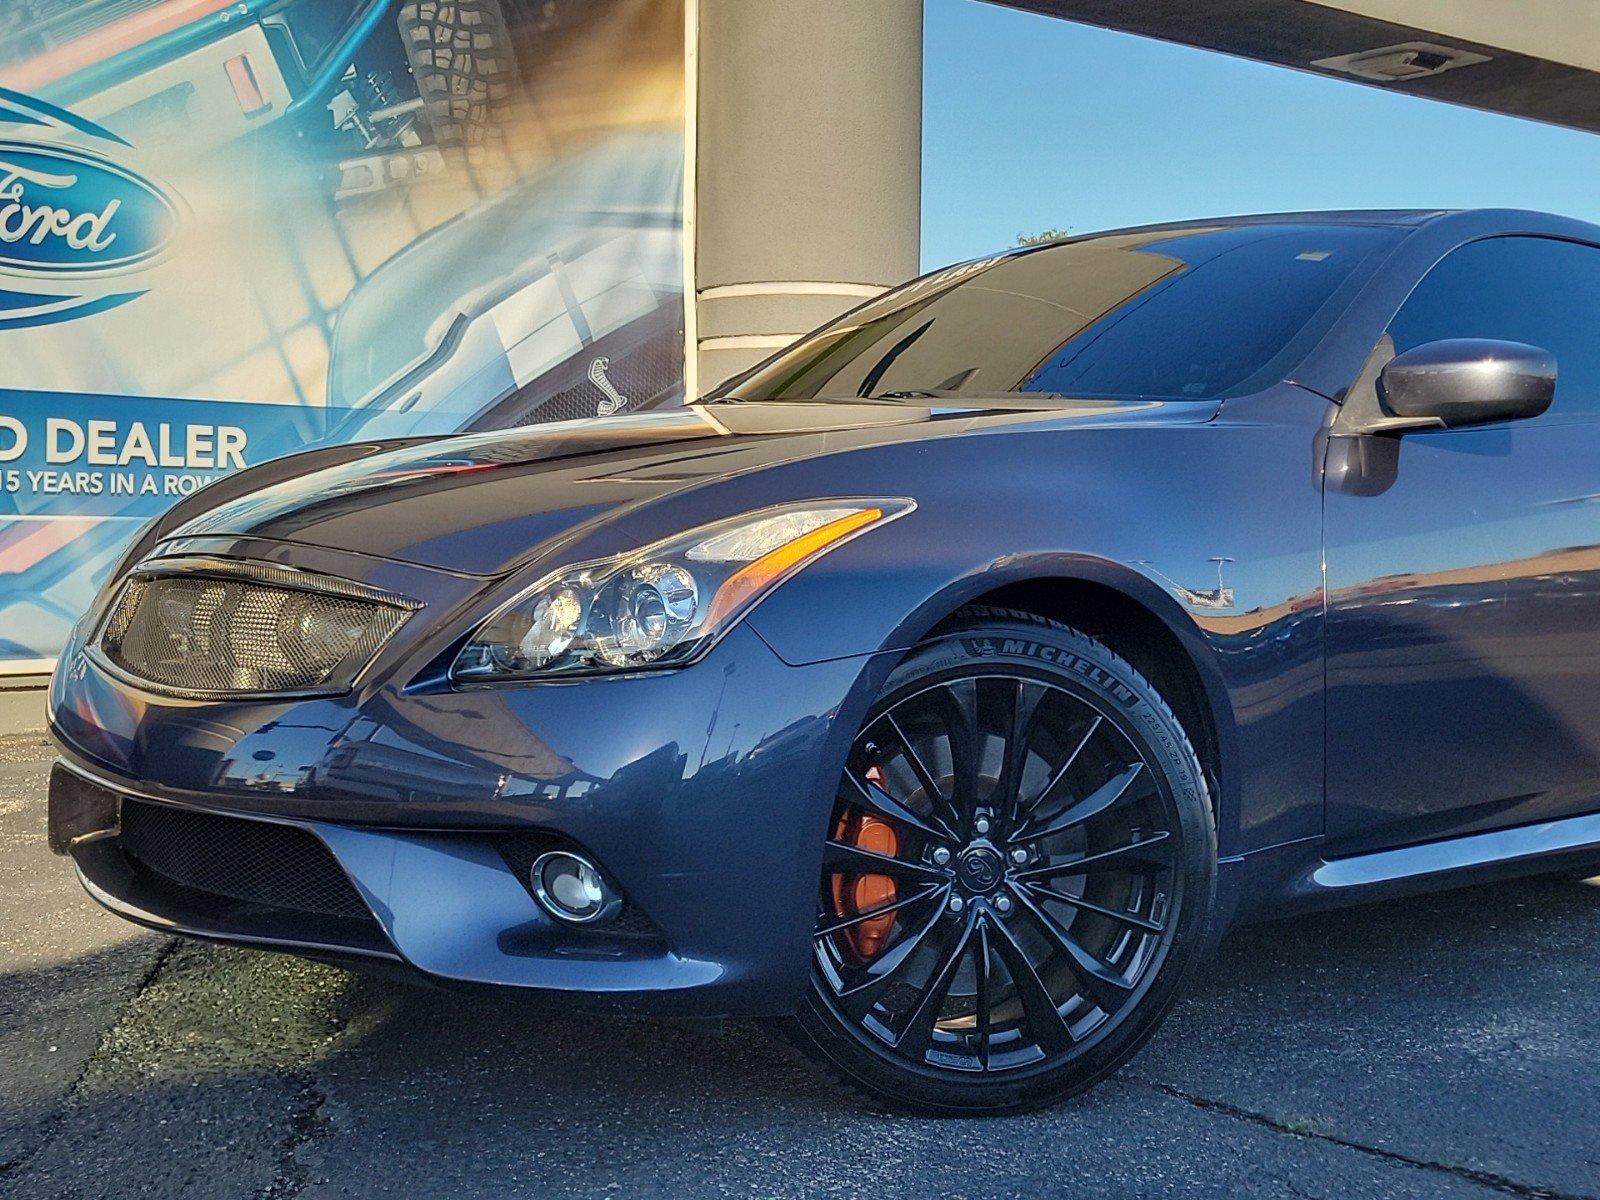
x: 211, y: 634
x: 254, y: 861
x: 640, y: 375
x: 637, y: 366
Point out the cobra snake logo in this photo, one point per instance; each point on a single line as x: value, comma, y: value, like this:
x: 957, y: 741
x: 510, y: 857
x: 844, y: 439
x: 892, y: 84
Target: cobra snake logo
x: 614, y: 400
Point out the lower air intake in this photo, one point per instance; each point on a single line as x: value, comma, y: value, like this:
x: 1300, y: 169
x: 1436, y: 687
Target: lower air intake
x: 256, y: 862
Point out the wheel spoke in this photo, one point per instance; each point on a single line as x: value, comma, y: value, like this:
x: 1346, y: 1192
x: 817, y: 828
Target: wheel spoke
x: 1060, y: 773
x: 1127, y: 918
x: 858, y: 999
x: 826, y: 930
x: 1102, y: 982
x: 1130, y: 857
x: 916, y: 1033
x: 981, y: 990
x: 1043, y: 1017
x: 842, y: 856
x: 930, y: 787
x: 958, y: 707
x: 1108, y: 795
x: 1025, y: 702
x: 869, y: 795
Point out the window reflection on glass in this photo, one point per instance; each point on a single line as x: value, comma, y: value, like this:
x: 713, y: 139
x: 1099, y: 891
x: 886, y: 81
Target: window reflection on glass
x: 1196, y: 314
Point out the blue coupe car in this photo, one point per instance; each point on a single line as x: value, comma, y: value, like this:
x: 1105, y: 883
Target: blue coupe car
x: 943, y: 685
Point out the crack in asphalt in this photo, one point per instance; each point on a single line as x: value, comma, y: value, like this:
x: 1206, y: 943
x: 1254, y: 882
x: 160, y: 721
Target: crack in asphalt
x: 1488, y: 1179
x: 52, y: 1123
x: 306, y: 1125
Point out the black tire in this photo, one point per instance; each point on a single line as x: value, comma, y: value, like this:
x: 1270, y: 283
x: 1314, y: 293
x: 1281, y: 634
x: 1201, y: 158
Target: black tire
x: 464, y: 61
x: 1082, y: 986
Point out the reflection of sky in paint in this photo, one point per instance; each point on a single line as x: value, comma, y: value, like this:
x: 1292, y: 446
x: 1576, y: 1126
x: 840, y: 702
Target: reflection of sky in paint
x: 1035, y: 123
x: 1505, y: 526
x: 465, y: 453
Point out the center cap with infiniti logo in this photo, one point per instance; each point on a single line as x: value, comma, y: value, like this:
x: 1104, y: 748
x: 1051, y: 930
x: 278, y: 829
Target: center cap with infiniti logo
x: 980, y: 868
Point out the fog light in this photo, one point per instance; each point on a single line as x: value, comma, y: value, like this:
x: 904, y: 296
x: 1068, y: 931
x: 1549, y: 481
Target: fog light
x: 571, y: 888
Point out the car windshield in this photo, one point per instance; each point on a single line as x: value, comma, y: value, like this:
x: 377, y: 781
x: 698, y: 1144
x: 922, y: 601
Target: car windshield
x: 1200, y: 313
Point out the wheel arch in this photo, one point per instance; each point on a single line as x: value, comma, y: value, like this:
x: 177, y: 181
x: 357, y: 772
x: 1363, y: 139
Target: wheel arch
x: 1142, y: 623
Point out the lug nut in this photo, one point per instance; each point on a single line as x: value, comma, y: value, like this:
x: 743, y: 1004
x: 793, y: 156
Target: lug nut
x: 941, y: 855
x: 1003, y: 903
x: 957, y: 904
x: 981, y: 824
x: 1019, y: 855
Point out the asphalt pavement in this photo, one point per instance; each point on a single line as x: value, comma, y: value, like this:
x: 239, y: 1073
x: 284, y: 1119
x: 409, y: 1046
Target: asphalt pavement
x: 1440, y: 1047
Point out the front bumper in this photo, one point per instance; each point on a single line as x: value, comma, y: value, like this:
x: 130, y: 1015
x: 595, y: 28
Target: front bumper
x: 704, y: 793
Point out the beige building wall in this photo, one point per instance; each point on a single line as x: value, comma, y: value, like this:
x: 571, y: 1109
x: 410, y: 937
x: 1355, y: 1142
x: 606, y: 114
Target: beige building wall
x: 807, y: 168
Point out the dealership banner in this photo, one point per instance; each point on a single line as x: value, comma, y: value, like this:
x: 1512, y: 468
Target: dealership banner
x: 231, y: 229
x: 79, y: 474
x: 64, y: 455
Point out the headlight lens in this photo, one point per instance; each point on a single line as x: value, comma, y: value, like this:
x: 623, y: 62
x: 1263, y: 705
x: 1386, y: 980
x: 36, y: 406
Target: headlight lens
x: 661, y: 605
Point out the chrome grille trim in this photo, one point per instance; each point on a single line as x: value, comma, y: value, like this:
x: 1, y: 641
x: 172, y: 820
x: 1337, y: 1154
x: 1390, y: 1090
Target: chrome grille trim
x: 243, y: 616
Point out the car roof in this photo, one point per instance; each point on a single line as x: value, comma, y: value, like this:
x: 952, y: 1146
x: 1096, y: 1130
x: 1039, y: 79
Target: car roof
x: 1480, y: 221
x: 1347, y: 216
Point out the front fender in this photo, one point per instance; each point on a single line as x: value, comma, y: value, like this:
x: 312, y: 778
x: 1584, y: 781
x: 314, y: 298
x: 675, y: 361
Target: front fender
x: 1214, y: 530
x: 1067, y: 569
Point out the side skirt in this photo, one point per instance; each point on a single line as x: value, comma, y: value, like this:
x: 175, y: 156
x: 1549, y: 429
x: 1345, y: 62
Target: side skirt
x: 1292, y: 879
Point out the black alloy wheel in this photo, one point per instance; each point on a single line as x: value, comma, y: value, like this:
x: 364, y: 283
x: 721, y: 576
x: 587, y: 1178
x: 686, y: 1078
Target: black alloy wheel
x: 1019, y: 869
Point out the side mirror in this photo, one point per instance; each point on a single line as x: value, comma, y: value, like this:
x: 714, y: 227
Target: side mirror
x: 1466, y: 381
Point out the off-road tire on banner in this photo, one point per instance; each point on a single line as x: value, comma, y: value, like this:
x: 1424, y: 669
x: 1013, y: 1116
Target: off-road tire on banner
x: 464, y: 60
x: 1025, y: 770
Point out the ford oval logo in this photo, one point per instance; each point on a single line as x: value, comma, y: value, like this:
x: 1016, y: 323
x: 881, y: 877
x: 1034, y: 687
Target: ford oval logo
x: 65, y: 211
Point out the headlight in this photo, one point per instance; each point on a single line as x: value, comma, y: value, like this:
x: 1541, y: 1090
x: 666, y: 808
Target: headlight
x: 663, y: 604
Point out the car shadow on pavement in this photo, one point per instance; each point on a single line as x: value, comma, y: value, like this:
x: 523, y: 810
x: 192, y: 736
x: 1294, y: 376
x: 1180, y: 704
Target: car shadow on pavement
x: 1453, y: 1030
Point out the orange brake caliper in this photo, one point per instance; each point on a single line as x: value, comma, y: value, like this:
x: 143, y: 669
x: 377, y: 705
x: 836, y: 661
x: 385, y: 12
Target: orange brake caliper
x: 857, y: 894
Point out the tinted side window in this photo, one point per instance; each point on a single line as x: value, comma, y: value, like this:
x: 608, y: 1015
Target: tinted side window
x: 1521, y: 289
x: 1218, y: 327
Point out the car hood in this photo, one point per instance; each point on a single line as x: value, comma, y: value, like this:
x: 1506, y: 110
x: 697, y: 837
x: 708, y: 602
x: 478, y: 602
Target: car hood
x: 482, y: 504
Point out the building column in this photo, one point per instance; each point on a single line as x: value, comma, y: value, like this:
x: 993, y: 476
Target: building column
x: 807, y: 180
